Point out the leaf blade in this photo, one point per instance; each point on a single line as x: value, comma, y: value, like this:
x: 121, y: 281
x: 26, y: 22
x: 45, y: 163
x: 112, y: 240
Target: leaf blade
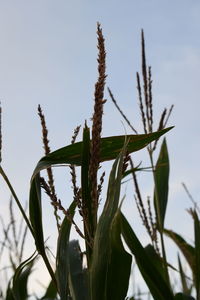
x: 153, y: 277
x: 110, y: 148
x: 161, y: 184
x: 105, y: 252
x: 62, y: 258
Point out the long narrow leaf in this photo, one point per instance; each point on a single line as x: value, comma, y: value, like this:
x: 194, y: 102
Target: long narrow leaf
x: 62, y: 257
x: 9, y: 294
x: 186, y: 290
x: 20, y: 279
x: 187, y: 250
x: 110, y: 148
x: 102, y: 277
x: 78, y: 279
x: 119, y: 267
x: 197, y: 253
x: 151, y: 274
x: 35, y: 212
x: 161, y: 184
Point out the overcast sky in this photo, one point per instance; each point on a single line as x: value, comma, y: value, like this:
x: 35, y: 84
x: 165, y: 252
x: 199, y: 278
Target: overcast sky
x: 48, y: 57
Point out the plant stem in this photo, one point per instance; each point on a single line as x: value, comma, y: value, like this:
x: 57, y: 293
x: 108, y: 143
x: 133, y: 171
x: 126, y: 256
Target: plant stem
x: 17, y: 200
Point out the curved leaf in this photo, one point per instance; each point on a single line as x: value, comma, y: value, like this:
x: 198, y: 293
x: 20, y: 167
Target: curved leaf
x: 110, y: 148
x: 150, y: 272
x: 20, y: 279
x: 62, y: 257
x: 35, y: 212
x: 187, y: 250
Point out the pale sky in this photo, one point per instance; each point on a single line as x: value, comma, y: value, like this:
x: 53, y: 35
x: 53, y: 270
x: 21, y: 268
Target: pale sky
x: 48, y: 57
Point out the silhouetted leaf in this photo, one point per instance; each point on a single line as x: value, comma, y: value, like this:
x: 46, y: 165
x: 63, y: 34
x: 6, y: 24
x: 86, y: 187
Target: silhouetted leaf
x: 62, y: 257
x: 110, y: 148
x: 161, y: 184
x: 187, y: 250
x: 78, y: 278
x: 152, y: 275
x: 108, y: 252
x: 20, y: 279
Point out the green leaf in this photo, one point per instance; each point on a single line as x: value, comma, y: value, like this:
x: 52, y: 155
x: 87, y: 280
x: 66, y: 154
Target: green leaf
x: 197, y: 253
x: 119, y: 268
x: 104, y: 280
x: 9, y: 294
x: 51, y: 292
x: 151, y: 273
x: 78, y: 279
x: 185, y: 287
x: 110, y: 148
x: 155, y: 259
x: 161, y: 184
x: 35, y: 212
x: 187, y: 250
x: 136, y: 169
x: 20, y: 279
x: 62, y: 257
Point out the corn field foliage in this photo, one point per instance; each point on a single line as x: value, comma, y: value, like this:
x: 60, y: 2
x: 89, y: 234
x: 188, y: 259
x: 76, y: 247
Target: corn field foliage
x: 106, y: 272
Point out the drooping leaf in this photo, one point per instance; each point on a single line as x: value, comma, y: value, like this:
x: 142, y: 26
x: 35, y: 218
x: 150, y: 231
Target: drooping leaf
x: 105, y: 252
x: 187, y: 250
x: 62, y: 256
x: 161, y: 184
x: 110, y: 147
x: 9, y: 294
x: 35, y: 212
x: 78, y: 278
x: 20, y: 279
x: 153, y: 277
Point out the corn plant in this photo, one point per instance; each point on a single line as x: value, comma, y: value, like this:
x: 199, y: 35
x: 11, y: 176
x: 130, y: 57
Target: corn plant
x: 108, y: 265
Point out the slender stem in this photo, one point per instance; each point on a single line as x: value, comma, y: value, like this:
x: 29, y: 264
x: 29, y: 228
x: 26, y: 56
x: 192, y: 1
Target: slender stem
x: 17, y: 200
